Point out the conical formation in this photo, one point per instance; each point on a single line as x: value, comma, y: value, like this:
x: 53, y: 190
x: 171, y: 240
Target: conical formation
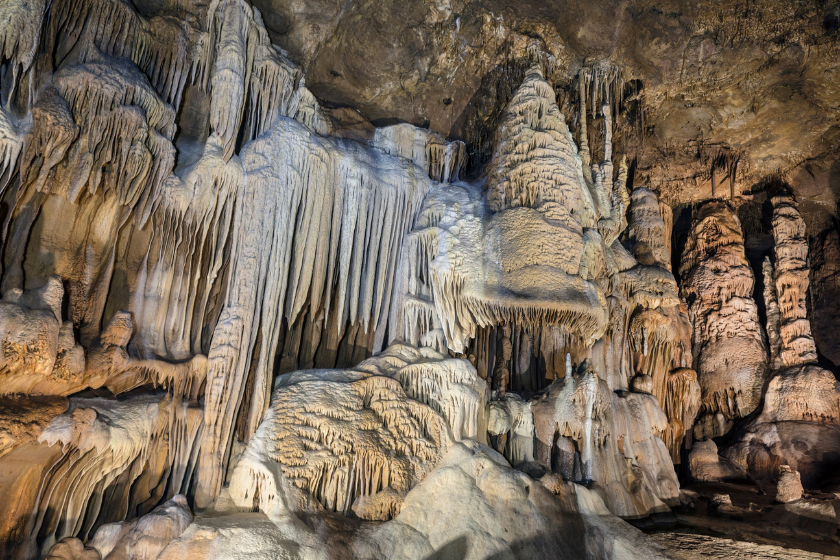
x: 483, y: 269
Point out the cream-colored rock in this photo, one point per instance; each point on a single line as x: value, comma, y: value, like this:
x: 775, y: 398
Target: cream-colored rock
x: 511, y: 515
x: 360, y: 439
x: 512, y: 416
x: 146, y: 537
x: 169, y: 164
x: 71, y: 548
x: 40, y: 355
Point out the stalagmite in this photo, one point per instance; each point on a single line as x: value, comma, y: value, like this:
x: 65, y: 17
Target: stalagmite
x: 730, y: 352
x: 606, y: 427
x: 513, y: 415
x: 705, y: 465
x: 791, y: 278
x: 660, y: 332
x: 489, y: 274
x: 800, y: 420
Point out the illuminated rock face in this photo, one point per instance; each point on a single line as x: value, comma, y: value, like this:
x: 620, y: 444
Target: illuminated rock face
x: 220, y: 297
x: 799, y: 425
x: 730, y: 351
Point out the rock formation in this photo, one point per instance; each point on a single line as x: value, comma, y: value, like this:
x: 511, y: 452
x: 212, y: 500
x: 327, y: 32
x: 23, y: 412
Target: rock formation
x: 798, y: 424
x: 238, y: 321
x: 729, y: 348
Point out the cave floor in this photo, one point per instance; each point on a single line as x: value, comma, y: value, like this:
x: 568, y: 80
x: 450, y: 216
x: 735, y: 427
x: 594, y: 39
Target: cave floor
x: 750, y: 524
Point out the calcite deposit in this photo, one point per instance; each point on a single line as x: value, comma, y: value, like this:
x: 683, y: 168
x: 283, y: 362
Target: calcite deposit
x: 730, y: 350
x: 480, y: 293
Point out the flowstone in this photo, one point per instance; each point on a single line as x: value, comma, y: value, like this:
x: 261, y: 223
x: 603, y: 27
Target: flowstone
x: 220, y: 296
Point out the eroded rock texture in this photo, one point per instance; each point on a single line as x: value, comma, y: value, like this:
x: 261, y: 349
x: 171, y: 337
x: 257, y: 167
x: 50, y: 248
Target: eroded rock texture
x: 798, y: 426
x: 423, y: 309
x: 730, y: 351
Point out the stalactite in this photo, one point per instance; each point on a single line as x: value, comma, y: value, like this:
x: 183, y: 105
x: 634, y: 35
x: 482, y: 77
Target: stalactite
x: 681, y: 404
x: 19, y: 37
x: 98, y: 473
x: 337, y: 226
x: 52, y: 132
x: 183, y: 262
x: 271, y: 89
x: 442, y: 160
x: 10, y: 146
x: 231, y: 27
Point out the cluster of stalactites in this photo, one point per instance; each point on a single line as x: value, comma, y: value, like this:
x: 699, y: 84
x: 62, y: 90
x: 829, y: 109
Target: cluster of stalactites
x: 442, y: 160
x: 250, y: 81
x: 598, y: 86
x: 164, y: 48
x: 19, y: 38
x: 123, y: 124
x: 790, y: 276
x: 10, y: 145
x: 320, y: 225
x: 139, y: 449
x: 42, y: 357
x: 184, y: 261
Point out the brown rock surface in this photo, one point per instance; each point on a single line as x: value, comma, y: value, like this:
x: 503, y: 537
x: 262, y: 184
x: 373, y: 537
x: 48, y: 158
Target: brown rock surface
x: 317, y: 279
